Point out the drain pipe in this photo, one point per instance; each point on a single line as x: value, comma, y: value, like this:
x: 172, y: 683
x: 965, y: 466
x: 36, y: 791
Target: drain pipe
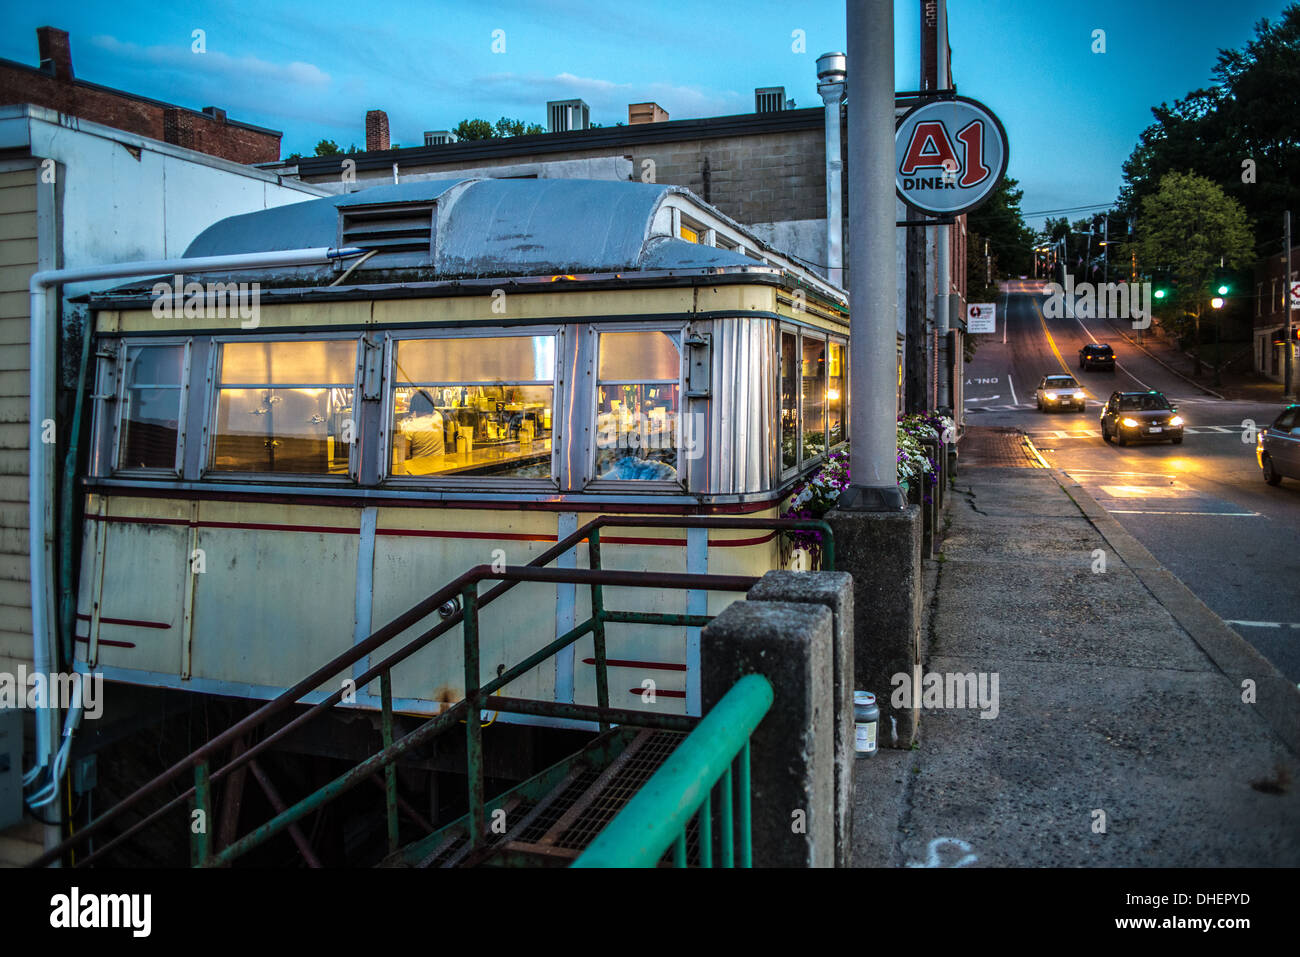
x: 831, y: 72
x: 943, y: 247
x: 40, y: 508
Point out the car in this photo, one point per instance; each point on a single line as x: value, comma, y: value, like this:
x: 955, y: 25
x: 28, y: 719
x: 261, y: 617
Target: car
x: 1059, y: 392
x: 1277, y: 448
x: 1097, y: 356
x: 1138, y: 416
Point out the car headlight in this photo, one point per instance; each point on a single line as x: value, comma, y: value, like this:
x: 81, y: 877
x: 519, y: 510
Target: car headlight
x: 1079, y: 395
x: 1049, y: 395
x: 1131, y: 423
x: 1176, y: 420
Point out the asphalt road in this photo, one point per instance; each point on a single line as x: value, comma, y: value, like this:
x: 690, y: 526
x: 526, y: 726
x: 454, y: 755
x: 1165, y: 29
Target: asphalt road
x: 1202, y: 508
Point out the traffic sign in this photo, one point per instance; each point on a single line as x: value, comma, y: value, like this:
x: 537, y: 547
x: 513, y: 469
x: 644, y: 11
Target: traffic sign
x: 1295, y: 295
x: 950, y: 154
x: 981, y: 317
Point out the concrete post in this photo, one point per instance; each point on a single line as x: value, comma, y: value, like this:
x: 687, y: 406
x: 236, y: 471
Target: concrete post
x: 792, y: 752
x: 882, y: 551
x: 835, y: 591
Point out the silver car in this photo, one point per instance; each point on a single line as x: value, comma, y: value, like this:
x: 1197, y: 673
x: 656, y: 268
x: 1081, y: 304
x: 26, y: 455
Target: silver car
x: 1277, y: 449
x: 1059, y: 392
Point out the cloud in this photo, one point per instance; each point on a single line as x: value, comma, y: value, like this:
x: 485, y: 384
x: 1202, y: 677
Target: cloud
x: 215, y: 64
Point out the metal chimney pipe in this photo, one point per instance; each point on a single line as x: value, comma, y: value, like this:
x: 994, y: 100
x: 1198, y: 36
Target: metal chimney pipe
x: 831, y: 73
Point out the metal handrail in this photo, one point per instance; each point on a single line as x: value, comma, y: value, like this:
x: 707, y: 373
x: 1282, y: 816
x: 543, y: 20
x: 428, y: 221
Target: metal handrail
x: 697, y: 770
x: 198, y: 760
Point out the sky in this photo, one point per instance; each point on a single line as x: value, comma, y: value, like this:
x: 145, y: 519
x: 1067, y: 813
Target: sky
x: 312, y: 71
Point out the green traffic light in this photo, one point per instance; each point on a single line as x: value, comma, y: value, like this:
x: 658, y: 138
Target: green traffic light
x: 1160, y: 294
x: 1223, y: 290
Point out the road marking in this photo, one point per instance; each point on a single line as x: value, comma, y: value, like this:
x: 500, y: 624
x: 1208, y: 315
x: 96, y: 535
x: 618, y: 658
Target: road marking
x: 1050, y: 341
x: 1118, y: 364
x: 1160, y: 511
x: 1263, y: 624
x: 984, y: 398
x: 1013, y: 389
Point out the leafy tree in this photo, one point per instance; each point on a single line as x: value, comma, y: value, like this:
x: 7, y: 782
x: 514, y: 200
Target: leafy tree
x: 474, y: 130
x: 1243, y: 132
x: 327, y: 148
x: 1189, y: 229
x: 1001, y: 222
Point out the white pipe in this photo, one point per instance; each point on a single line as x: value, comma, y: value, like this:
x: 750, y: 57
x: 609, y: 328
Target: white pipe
x: 831, y: 87
x: 943, y: 262
x: 39, y: 506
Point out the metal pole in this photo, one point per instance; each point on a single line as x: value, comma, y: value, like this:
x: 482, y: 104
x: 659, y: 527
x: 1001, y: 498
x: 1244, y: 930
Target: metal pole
x: 1288, y: 380
x: 830, y: 74
x: 873, y: 459
x: 943, y: 252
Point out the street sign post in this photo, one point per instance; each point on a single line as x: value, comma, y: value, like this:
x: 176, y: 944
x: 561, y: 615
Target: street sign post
x: 981, y: 317
x: 950, y: 155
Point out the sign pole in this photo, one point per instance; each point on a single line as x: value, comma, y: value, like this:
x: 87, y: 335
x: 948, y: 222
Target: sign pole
x: 1288, y: 381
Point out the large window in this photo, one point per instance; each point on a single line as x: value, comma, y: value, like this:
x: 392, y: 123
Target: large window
x: 473, y: 407
x: 813, y: 376
x: 836, y: 393
x: 789, y: 400
x: 285, y: 407
x: 151, y: 407
x: 637, y: 405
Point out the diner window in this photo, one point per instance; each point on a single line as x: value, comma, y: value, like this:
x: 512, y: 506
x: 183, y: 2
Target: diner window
x: 638, y: 383
x: 813, y: 374
x: 285, y: 407
x: 473, y: 407
x: 836, y: 392
x: 151, y: 407
x: 789, y: 400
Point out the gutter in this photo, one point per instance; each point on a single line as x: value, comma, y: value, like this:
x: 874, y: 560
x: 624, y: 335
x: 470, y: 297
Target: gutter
x: 45, y: 658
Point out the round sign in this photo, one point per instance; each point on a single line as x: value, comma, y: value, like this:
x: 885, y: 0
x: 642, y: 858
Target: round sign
x: 950, y: 155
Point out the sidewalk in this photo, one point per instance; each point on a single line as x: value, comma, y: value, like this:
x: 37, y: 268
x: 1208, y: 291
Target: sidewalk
x: 1119, y: 702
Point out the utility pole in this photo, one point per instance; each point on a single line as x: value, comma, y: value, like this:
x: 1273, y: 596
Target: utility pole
x: 873, y: 300
x: 1288, y: 380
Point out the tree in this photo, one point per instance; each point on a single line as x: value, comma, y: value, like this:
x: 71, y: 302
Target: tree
x: 1190, y: 228
x: 327, y: 148
x: 1243, y: 132
x: 503, y: 128
x: 1001, y: 222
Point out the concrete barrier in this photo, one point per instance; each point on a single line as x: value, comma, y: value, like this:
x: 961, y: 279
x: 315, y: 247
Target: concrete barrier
x: 834, y: 590
x: 882, y: 551
x: 792, y: 752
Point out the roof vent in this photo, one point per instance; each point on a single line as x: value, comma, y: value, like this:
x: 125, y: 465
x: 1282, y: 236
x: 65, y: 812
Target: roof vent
x: 769, y: 99
x: 401, y: 235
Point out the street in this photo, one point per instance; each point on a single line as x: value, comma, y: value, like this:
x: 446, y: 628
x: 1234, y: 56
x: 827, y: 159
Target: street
x: 1202, y: 508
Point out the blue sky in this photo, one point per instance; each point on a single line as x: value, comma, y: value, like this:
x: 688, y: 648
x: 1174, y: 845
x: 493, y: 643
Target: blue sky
x: 312, y: 71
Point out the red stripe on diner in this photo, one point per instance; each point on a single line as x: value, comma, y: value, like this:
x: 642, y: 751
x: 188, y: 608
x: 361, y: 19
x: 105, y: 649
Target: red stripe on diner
x: 437, y: 533
x: 127, y: 621
x: 426, y: 533
x: 629, y: 663
x: 662, y: 694
x: 105, y: 641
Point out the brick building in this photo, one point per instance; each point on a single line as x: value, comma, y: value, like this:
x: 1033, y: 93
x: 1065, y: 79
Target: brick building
x: 1270, y: 315
x: 53, y: 85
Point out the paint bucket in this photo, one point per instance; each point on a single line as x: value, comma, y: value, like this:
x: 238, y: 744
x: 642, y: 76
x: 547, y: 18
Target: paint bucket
x: 866, y: 724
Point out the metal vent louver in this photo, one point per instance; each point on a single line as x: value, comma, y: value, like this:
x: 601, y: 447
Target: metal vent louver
x: 401, y: 235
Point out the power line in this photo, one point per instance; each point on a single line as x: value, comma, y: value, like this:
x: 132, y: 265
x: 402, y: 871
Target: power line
x: 1069, y: 209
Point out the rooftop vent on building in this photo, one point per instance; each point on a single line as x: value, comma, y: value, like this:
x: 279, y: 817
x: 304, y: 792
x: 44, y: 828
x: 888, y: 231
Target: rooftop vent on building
x: 565, y: 115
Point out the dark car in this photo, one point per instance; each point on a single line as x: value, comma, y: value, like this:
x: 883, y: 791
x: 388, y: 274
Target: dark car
x: 1140, y: 416
x: 1059, y: 392
x: 1277, y: 449
x: 1099, y: 356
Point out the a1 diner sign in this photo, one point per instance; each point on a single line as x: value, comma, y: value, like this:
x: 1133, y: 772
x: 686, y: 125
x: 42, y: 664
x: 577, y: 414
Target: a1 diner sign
x: 951, y: 154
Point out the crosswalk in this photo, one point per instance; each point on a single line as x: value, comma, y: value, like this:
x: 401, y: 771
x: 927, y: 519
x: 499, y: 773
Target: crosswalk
x: 1056, y: 434
x: 1090, y: 403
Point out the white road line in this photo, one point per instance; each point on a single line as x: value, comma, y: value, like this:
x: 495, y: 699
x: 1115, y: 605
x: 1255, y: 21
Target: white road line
x: 1138, y: 511
x: 1118, y: 364
x: 1263, y: 624
x: 1013, y: 389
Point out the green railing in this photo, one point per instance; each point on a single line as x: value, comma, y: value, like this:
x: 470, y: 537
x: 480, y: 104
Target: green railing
x: 696, y: 774
x: 477, y: 697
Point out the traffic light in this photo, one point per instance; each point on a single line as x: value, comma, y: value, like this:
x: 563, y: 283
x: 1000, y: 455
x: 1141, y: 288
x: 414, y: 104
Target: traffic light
x: 1160, y: 293
x: 1223, y: 289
